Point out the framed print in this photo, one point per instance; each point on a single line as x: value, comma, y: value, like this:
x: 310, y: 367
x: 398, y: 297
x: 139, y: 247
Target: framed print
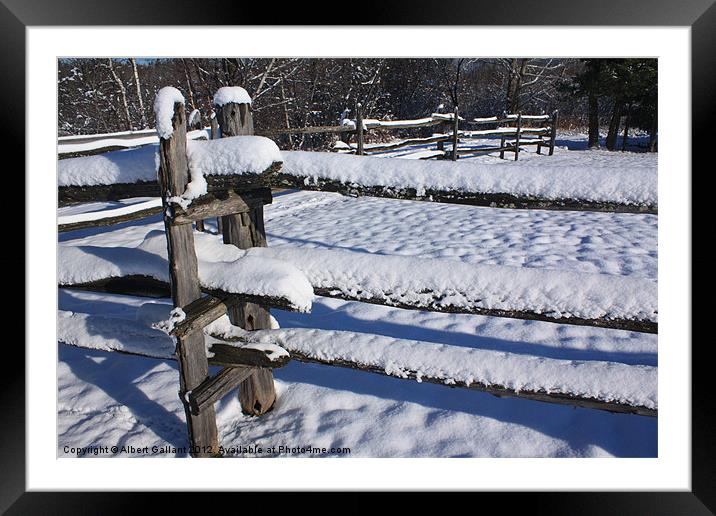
x: 418, y: 256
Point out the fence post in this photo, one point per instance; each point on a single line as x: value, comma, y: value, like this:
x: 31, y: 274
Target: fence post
x: 542, y: 125
x: 502, y: 137
x: 184, y: 279
x: 200, y: 223
x: 517, y: 139
x: 257, y: 393
x: 359, y: 129
x: 455, y: 124
x: 553, y: 136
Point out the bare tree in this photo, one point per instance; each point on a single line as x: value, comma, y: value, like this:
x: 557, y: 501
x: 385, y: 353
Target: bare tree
x: 142, y: 113
x: 122, y: 92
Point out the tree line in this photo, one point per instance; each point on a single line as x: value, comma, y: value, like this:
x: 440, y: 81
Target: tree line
x: 108, y: 95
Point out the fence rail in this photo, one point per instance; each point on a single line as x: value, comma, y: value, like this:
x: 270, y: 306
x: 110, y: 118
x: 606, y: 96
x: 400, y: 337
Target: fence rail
x: 450, y: 127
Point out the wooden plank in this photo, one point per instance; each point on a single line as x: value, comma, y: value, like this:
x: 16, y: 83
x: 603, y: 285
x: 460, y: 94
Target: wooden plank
x: 144, y: 286
x: 68, y: 195
x: 517, y: 138
x: 110, y: 221
x: 310, y: 130
x: 408, y: 142
x: 548, y: 397
x: 636, y: 325
x: 202, y: 312
x: 553, y: 135
x: 455, y: 136
x: 222, y: 203
x: 183, y: 271
x: 257, y: 394
x: 359, y: 129
x: 232, y: 355
x: 216, y: 387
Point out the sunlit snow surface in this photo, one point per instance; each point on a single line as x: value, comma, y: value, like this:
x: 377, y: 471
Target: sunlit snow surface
x: 109, y: 398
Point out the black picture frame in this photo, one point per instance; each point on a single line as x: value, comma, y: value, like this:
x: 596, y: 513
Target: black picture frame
x: 17, y: 15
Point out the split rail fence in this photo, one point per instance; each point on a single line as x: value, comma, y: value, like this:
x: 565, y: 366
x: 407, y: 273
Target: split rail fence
x: 514, y: 130
x: 238, y: 202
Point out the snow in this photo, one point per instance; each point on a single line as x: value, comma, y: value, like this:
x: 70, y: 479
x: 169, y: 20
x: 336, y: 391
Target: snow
x: 111, y: 398
x: 123, y: 207
x: 221, y: 267
x: 194, y: 117
x: 140, y: 133
x: 233, y: 155
x: 583, y: 242
x: 147, y: 333
x: 598, y: 184
x: 439, y: 283
x: 65, y: 148
x: 604, y: 381
x: 120, y: 166
x: 225, y: 156
x: 104, y: 397
x: 164, y: 110
x: 167, y: 325
x: 229, y: 94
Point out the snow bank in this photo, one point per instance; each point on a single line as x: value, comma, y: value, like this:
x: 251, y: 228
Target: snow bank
x: 596, y: 184
x: 164, y: 110
x: 222, y: 267
x: 402, y: 280
x: 634, y: 385
x: 229, y: 94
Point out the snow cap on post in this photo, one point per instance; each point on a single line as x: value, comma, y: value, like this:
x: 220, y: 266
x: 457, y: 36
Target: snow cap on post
x: 231, y: 94
x: 164, y: 110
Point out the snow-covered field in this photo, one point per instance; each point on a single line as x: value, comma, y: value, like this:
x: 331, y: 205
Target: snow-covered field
x: 114, y: 399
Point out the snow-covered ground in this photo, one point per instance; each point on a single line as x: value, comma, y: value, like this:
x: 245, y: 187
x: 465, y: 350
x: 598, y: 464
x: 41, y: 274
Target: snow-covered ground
x: 110, y: 398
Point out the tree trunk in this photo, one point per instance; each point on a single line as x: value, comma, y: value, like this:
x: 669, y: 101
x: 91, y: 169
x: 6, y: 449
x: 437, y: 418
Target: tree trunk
x: 614, y: 125
x: 145, y: 125
x: 514, y: 84
x: 652, y: 132
x: 627, y: 120
x: 123, y: 93
x: 593, y: 121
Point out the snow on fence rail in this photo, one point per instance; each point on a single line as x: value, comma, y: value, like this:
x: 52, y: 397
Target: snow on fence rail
x: 498, y: 185
x: 132, y: 173
x: 609, y: 386
x: 76, y: 146
x: 287, y: 278
x: 228, y: 178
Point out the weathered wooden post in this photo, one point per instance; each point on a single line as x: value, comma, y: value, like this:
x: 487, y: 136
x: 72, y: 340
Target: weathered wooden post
x: 502, y: 138
x: 359, y: 129
x: 517, y: 137
x: 455, y: 124
x: 183, y: 273
x: 553, y: 136
x: 214, y: 126
x: 257, y: 393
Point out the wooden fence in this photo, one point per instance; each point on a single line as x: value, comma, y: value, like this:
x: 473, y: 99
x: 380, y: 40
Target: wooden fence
x: 238, y: 201
x: 514, y: 130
